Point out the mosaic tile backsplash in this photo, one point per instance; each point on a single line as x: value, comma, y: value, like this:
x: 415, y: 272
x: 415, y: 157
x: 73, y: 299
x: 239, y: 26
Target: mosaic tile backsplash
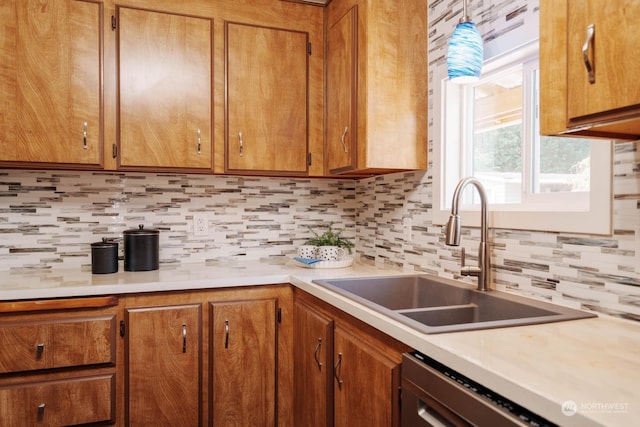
x: 48, y: 220
x: 583, y: 271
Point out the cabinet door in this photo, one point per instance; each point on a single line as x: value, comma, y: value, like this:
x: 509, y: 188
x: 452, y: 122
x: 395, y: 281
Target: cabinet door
x: 313, y: 365
x: 164, y: 90
x: 266, y: 99
x: 243, y: 340
x: 341, y: 130
x: 612, y: 54
x: 50, y: 82
x: 366, y: 383
x: 163, y: 365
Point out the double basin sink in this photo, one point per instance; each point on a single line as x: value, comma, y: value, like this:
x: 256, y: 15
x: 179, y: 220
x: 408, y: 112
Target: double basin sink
x: 431, y: 304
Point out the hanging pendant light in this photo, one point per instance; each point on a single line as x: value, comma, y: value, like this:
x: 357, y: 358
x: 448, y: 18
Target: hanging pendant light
x: 465, y: 53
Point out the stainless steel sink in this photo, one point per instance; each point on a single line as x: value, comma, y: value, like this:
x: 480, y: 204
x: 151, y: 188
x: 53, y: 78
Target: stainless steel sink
x: 432, y: 304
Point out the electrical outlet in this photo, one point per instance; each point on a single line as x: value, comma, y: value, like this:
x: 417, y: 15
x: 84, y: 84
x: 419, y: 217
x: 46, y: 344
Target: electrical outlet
x: 200, y: 224
x: 406, y: 223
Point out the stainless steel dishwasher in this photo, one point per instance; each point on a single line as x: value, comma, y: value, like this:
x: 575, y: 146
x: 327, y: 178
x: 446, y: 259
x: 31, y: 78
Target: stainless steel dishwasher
x: 434, y: 395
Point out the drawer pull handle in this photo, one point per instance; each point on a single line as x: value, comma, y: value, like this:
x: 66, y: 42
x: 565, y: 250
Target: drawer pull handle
x: 184, y: 337
x: 226, y: 334
x: 336, y: 371
x: 241, y: 143
x: 344, y: 135
x: 41, y: 409
x: 315, y: 354
x: 199, y: 141
x: 588, y: 64
x: 39, y: 350
x: 84, y: 135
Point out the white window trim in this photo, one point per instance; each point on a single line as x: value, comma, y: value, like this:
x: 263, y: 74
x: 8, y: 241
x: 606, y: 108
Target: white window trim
x: 596, y: 219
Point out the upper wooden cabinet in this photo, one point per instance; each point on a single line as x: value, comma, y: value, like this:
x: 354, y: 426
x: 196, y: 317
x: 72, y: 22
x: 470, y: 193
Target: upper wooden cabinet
x: 97, y: 84
x: 376, y: 86
x: 341, y: 96
x: 578, y: 35
x: 50, y: 81
x: 266, y: 100
x: 164, y: 90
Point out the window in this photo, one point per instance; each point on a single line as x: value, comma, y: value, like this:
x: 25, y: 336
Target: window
x: 490, y: 131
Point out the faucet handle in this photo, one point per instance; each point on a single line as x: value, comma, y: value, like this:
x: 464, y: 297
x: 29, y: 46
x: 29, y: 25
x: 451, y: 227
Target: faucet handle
x: 467, y: 271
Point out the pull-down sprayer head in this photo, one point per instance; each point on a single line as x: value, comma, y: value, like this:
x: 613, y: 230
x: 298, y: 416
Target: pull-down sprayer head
x: 453, y: 231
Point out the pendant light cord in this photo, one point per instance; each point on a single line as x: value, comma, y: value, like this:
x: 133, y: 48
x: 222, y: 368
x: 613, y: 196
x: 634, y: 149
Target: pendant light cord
x: 465, y: 17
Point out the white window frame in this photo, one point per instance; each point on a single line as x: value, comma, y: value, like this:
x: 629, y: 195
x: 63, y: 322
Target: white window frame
x: 574, y: 212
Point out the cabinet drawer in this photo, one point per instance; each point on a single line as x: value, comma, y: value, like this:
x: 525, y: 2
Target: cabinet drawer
x: 55, y: 403
x: 29, y: 346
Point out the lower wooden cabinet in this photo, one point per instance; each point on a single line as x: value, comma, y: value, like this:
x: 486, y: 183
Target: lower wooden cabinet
x: 346, y: 372
x: 163, y: 364
x: 219, y: 357
x: 243, y: 359
x: 58, y: 362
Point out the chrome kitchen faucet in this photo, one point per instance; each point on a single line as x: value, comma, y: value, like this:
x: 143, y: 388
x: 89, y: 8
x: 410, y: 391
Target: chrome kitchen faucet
x: 483, y: 270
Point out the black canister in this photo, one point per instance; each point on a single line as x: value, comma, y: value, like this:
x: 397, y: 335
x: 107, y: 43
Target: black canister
x: 104, y: 257
x: 141, y: 249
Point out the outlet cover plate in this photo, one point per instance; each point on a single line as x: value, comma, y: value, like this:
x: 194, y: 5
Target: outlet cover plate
x: 200, y: 224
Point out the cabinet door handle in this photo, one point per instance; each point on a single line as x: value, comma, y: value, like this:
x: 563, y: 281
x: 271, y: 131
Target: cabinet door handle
x: 84, y: 135
x: 41, y: 409
x: 336, y: 370
x: 315, y: 354
x: 226, y: 334
x: 241, y: 143
x: 344, y: 135
x: 184, y: 337
x: 589, y: 65
x: 39, y: 350
x: 199, y: 141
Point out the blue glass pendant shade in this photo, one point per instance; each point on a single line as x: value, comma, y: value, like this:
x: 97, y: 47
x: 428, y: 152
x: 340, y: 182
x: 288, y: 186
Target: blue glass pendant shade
x: 465, y: 54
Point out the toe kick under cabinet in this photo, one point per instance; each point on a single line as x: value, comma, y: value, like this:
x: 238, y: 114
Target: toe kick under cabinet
x: 57, y: 362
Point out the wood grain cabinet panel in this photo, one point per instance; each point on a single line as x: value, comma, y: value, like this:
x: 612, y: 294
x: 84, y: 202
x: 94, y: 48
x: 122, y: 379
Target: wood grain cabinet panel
x: 60, y: 343
x: 342, y: 130
x: 352, y: 378
x: 376, y: 90
x: 313, y: 368
x: 50, y: 81
x: 71, y: 401
x: 608, y: 104
x: 362, y: 370
x: 266, y: 73
x: 616, y: 68
x: 163, y: 371
x: 243, y: 360
x: 164, y: 90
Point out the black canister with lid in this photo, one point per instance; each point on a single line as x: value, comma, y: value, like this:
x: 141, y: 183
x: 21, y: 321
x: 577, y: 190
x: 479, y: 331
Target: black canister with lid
x: 141, y: 249
x: 104, y: 256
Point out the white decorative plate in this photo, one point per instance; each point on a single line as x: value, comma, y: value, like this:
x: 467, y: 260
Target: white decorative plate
x: 346, y: 262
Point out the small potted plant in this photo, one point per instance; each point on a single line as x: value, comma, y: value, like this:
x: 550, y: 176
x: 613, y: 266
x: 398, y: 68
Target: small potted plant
x: 330, y: 238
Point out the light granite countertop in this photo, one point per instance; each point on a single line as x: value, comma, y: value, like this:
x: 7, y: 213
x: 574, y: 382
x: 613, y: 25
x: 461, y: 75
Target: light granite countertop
x: 594, y: 363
